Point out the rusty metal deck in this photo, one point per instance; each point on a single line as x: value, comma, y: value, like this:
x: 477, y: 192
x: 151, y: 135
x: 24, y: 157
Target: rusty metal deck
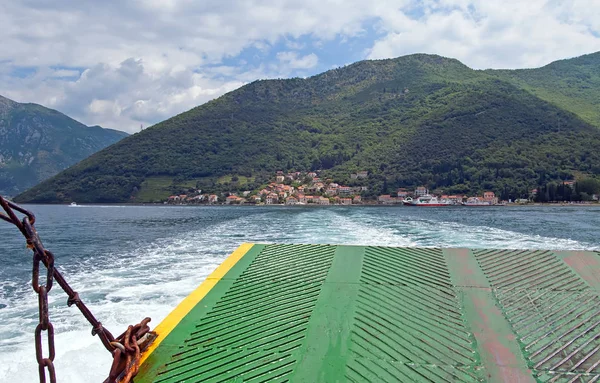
x: 323, y: 313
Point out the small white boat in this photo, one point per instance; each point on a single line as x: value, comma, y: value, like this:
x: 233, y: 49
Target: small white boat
x: 428, y: 201
x: 73, y: 204
x: 476, y: 202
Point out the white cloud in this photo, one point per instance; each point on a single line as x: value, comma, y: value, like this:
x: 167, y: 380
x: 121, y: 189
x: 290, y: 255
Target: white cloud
x: 120, y: 96
x: 292, y: 61
x: 152, y: 59
x: 65, y: 73
x: 120, y: 64
x: 104, y: 107
x: 494, y: 34
x: 84, y: 33
x: 294, y: 45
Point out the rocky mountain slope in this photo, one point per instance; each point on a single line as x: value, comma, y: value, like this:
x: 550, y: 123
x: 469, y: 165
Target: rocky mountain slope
x: 37, y: 143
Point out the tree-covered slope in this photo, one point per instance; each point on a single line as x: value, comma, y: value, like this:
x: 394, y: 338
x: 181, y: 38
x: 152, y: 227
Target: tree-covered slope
x: 418, y: 119
x: 36, y: 143
x: 572, y: 84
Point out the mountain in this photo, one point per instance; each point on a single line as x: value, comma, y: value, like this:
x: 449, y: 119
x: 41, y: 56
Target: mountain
x: 37, y: 143
x: 414, y: 120
x: 573, y: 84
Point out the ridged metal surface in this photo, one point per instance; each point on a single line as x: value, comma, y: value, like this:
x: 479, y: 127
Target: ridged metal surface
x: 408, y: 324
x: 552, y: 310
x: 252, y: 333
x: 320, y: 313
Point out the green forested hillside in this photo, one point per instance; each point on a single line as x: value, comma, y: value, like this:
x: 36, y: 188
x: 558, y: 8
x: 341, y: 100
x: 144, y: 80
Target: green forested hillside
x: 418, y: 119
x: 573, y: 84
x: 37, y: 143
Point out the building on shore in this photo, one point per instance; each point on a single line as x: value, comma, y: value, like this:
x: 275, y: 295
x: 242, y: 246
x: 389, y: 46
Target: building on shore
x: 232, y: 199
x: 272, y: 199
x: 291, y: 201
x: 386, y: 199
x: 421, y: 191
x: 344, y: 191
x: 323, y: 201
x: 490, y: 197
x: 403, y: 193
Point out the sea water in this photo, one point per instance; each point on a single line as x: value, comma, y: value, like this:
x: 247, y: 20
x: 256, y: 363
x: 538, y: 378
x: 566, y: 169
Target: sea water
x: 129, y: 262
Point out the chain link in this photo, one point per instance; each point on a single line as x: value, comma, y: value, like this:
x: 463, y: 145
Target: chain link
x: 127, y: 344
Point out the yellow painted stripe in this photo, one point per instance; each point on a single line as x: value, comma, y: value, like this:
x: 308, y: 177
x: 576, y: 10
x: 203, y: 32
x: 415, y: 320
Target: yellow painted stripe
x: 173, y: 319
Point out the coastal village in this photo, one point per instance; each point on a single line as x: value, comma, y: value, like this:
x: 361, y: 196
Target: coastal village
x: 300, y: 188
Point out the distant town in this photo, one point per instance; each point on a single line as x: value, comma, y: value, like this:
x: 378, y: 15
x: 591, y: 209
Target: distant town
x: 307, y: 188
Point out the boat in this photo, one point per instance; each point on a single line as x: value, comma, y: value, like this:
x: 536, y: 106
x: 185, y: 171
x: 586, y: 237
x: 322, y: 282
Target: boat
x: 338, y: 313
x: 327, y: 313
x: 428, y: 201
x: 476, y: 202
x: 73, y: 204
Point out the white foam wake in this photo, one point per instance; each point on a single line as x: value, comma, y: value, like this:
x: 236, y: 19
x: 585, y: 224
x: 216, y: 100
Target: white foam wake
x: 150, y: 280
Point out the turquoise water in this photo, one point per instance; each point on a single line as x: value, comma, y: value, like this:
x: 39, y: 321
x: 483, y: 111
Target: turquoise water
x: 128, y: 262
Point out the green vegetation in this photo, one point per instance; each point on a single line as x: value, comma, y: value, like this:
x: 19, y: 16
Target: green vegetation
x: 159, y: 188
x: 235, y: 179
x: 582, y: 190
x: 414, y: 120
x: 36, y: 143
x: 155, y: 189
x: 573, y: 84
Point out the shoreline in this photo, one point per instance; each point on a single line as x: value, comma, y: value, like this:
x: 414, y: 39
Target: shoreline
x: 510, y: 205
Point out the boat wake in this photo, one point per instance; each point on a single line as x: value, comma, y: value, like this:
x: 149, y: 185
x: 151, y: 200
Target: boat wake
x: 123, y: 285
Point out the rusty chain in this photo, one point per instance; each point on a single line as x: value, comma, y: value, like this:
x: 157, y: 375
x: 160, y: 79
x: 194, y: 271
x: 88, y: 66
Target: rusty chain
x: 126, y: 348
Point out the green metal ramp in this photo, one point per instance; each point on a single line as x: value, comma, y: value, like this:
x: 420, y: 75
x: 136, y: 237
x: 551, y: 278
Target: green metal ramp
x: 323, y: 313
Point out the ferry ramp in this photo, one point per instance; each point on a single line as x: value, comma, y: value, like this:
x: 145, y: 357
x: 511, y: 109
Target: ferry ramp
x: 326, y: 313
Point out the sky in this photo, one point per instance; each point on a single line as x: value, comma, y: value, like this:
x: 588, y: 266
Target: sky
x: 122, y: 64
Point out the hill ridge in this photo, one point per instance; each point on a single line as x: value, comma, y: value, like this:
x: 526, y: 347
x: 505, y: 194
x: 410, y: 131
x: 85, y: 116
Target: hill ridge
x: 417, y: 119
x: 37, y: 142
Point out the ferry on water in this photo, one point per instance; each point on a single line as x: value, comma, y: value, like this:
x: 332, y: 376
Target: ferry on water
x: 477, y: 202
x: 427, y: 200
